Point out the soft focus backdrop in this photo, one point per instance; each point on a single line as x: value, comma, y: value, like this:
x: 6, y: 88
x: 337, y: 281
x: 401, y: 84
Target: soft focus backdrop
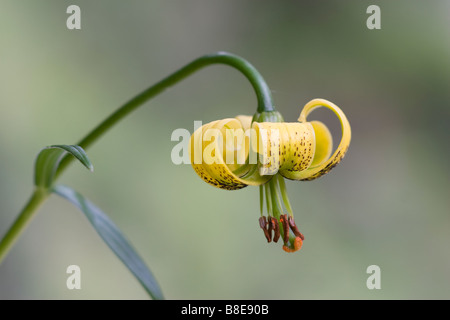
x: 386, y: 204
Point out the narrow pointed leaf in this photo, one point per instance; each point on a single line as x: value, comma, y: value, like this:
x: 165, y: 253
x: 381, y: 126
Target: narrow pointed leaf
x: 114, y: 239
x: 48, y: 160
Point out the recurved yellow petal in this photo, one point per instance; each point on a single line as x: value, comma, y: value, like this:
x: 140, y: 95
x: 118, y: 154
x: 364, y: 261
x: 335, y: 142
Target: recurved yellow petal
x: 284, y: 147
x: 321, y: 167
x: 324, y: 143
x: 215, y: 149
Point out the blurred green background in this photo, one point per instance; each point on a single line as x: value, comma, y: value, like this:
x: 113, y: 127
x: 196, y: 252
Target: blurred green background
x: 386, y: 204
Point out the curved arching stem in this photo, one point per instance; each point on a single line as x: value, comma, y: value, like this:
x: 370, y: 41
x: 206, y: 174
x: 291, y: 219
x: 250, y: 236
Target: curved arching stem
x: 260, y: 87
x: 39, y: 195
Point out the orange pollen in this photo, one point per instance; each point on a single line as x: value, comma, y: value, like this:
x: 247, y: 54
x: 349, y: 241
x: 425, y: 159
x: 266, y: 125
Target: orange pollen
x: 298, y: 242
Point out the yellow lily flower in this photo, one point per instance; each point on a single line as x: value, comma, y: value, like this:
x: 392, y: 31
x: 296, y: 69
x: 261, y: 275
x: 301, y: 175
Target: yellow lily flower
x: 236, y: 152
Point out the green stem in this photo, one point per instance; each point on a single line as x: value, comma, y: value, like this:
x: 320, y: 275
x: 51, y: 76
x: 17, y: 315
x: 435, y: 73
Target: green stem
x: 37, y: 199
x: 260, y: 87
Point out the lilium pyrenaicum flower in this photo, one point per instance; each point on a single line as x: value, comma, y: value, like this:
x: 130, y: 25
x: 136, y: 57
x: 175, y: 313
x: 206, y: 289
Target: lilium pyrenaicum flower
x: 261, y: 151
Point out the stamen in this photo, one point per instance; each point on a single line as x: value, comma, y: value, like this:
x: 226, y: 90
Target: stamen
x: 284, y: 195
x: 285, y: 224
x: 270, y: 227
x: 261, y: 198
x: 263, y: 225
x: 295, y: 229
x: 268, y: 199
x: 276, y: 229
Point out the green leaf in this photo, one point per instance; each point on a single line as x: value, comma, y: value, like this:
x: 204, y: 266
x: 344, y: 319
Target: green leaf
x: 48, y: 160
x: 114, y: 239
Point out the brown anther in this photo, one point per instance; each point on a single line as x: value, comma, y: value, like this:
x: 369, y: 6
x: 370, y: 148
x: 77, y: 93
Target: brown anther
x: 285, y: 224
x: 263, y: 225
x: 295, y: 229
x: 269, y: 226
x: 276, y: 229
